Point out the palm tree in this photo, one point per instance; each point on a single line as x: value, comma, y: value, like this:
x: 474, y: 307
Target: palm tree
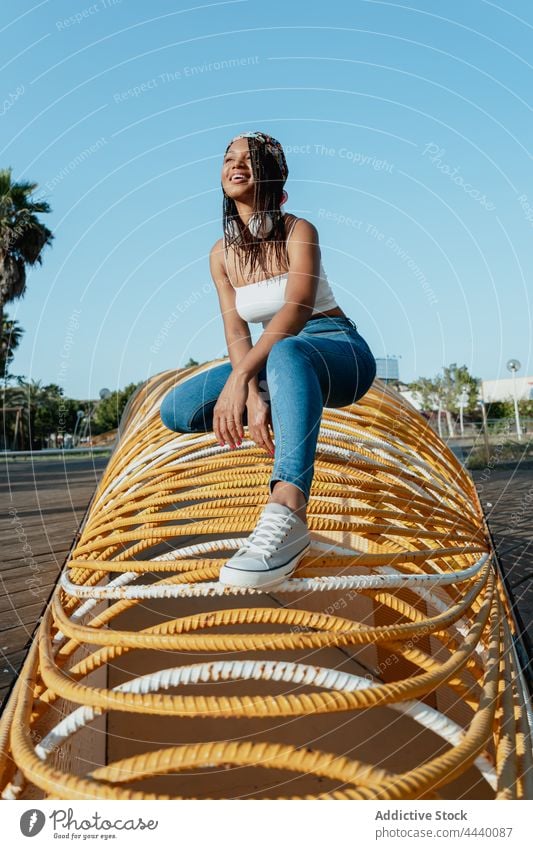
x: 22, y: 235
x: 14, y: 430
x: 39, y: 407
x: 29, y: 396
x: 10, y: 337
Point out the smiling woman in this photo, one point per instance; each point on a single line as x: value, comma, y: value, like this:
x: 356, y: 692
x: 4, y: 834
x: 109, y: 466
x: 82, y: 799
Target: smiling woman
x: 310, y: 354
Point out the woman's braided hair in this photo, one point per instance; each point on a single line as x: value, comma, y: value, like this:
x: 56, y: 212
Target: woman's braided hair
x: 270, y: 171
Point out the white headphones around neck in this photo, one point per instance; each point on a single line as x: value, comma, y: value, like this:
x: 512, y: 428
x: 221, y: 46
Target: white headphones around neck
x: 258, y: 230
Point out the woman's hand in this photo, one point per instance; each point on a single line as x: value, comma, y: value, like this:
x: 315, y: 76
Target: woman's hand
x: 227, y: 413
x: 259, y: 419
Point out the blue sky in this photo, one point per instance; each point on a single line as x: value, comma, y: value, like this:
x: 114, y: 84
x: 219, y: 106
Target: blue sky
x: 408, y: 139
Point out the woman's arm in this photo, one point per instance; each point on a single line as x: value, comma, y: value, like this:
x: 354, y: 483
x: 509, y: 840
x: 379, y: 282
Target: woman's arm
x: 236, y: 330
x: 300, y: 295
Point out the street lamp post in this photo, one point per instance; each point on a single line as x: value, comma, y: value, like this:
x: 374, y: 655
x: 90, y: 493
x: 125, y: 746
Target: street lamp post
x: 513, y: 366
x: 484, y: 425
x: 79, y: 415
x: 86, y: 421
x: 463, y: 400
x: 104, y: 393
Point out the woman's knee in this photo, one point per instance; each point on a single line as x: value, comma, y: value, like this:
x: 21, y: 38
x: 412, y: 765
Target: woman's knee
x: 287, y: 348
x: 174, y: 415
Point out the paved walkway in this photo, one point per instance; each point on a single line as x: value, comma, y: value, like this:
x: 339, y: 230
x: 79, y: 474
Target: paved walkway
x: 43, y: 502
x: 506, y: 495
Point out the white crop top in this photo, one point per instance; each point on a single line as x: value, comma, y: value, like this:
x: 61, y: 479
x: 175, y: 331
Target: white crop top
x: 260, y: 301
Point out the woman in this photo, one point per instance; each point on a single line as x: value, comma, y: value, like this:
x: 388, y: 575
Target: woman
x: 309, y: 355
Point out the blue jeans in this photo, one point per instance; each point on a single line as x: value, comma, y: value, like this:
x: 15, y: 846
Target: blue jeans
x: 328, y: 363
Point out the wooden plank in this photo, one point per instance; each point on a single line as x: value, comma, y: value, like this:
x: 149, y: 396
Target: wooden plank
x: 56, y: 555
x: 47, y: 502
x: 25, y: 615
x: 9, y: 666
x: 16, y: 594
x: 505, y: 495
x: 4, y: 691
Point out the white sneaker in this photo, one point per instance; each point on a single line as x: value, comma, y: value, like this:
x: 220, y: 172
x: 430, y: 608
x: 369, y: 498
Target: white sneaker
x: 272, y: 551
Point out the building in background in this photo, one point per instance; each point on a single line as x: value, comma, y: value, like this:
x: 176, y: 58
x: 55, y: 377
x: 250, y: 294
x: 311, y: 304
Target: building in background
x: 387, y: 369
x: 502, y: 389
x: 407, y: 395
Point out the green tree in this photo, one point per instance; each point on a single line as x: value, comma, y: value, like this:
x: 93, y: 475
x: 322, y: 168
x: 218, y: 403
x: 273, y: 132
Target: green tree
x: 40, y: 413
x: 505, y: 409
x: 32, y: 412
x: 46, y: 417
x: 22, y: 235
x: 28, y: 397
x: 10, y: 339
x: 444, y: 391
x: 426, y: 391
x: 108, y: 411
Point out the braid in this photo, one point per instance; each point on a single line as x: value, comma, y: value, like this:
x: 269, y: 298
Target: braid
x: 270, y: 172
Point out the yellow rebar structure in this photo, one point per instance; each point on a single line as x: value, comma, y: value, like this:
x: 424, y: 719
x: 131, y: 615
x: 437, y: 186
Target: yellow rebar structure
x: 383, y: 669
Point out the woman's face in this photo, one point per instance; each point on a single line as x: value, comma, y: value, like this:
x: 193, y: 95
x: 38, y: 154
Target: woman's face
x: 237, y: 175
